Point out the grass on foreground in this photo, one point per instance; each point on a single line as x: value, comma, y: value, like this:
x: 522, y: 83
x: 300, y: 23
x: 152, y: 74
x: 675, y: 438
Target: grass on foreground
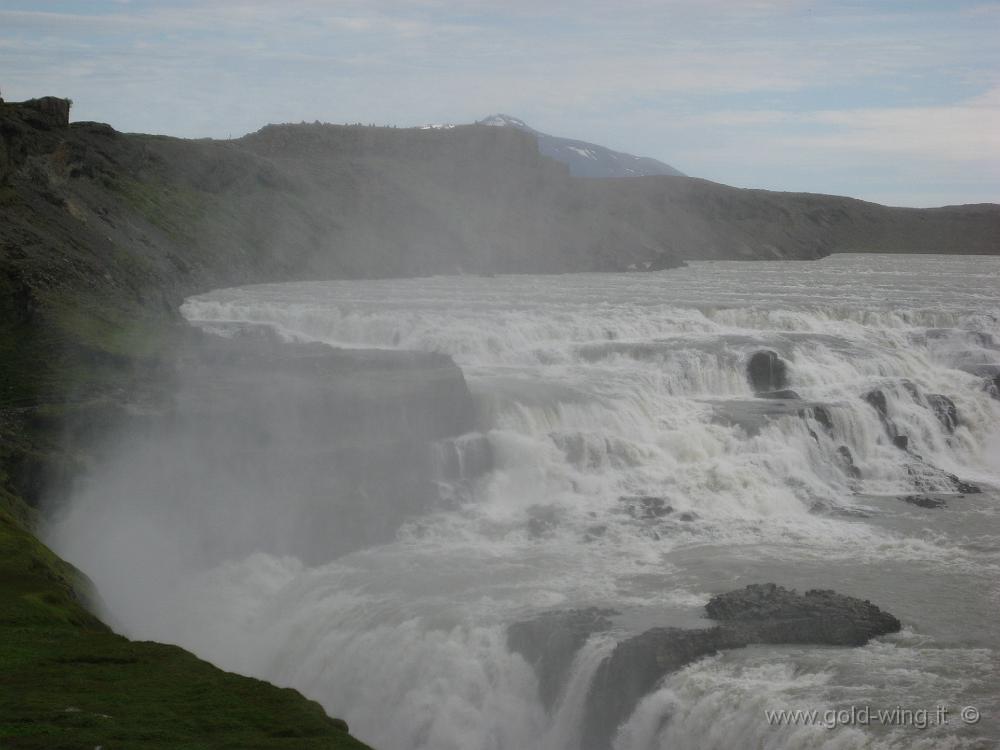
x: 67, y: 681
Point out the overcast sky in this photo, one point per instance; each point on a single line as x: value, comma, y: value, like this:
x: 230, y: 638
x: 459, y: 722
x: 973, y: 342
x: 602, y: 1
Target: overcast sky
x: 896, y: 101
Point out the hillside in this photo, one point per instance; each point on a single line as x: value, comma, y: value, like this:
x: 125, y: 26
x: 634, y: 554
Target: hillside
x: 69, y: 682
x: 700, y: 219
x: 103, y: 234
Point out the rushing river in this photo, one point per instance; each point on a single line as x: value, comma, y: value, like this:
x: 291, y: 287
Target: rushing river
x: 594, y: 390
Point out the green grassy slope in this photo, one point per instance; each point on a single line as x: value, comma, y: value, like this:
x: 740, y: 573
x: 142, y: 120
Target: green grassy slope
x: 66, y: 681
x: 92, y: 268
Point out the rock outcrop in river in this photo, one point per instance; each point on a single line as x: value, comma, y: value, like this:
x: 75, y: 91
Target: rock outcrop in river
x: 757, y: 614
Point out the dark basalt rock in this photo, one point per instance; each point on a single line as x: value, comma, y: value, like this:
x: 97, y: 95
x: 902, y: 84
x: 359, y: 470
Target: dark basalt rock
x: 964, y: 488
x: 822, y: 415
x: 847, y: 461
x: 760, y: 613
x: 923, y: 501
x: 944, y: 409
x: 550, y: 641
x: 767, y: 372
x: 819, y: 616
x: 990, y: 373
x: 877, y: 400
x: 992, y: 386
x: 925, y: 477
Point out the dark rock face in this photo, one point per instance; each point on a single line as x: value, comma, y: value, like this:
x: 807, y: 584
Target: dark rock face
x: 760, y: 613
x: 944, y: 409
x: 773, y: 614
x: 926, y: 476
x: 964, y: 488
x: 550, y: 641
x: 767, y: 372
x: 847, y: 462
x: 989, y: 372
x: 877, y: 400
x: 633, y: 670
x: 993, y: 386
x: 54, y: 111
x: 924, y: 501
x: 822, y: 415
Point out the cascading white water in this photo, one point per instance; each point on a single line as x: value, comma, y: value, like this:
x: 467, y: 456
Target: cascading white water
x: 594, y: 391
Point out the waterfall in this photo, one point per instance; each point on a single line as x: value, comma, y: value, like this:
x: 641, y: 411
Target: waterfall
x: 620, y: 458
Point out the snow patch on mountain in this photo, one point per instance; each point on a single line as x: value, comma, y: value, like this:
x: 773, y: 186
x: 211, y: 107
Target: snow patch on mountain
x: 585, y: 159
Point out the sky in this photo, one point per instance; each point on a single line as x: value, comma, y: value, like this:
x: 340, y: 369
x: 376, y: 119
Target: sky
x: 892, y: 101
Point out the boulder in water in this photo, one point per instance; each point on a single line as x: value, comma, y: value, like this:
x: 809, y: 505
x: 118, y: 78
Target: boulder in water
x: 768, y: 613
x: 990, y: 373
x: 902, y: 442
x: 877, y: 400
x: 993, y: 386
x: 822, y: 415
x: 847, y: 461
x: 924, y: 501
x: 927, y: 478
x: 767, y: 372
x: 760, y: 613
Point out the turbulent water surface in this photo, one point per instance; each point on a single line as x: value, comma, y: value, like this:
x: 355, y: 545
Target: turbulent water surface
x: 593, y: 389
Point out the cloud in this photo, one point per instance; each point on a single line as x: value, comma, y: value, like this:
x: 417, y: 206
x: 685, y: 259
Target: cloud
x: 967, y: 131
x: 756, y: 92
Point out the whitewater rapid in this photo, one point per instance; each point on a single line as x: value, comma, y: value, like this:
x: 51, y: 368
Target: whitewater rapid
x: 592, y: 392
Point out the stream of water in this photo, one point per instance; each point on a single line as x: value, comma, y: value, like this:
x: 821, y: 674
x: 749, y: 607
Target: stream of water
x: 594, y: 391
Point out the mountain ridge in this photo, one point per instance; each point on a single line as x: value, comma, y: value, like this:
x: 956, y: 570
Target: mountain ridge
x: 586, y: 159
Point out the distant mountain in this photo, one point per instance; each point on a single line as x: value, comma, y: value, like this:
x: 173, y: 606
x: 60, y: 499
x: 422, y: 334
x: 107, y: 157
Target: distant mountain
x: 586, y: 159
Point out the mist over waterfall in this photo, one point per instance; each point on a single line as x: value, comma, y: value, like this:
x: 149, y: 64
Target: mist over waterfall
x: 616, y: 453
